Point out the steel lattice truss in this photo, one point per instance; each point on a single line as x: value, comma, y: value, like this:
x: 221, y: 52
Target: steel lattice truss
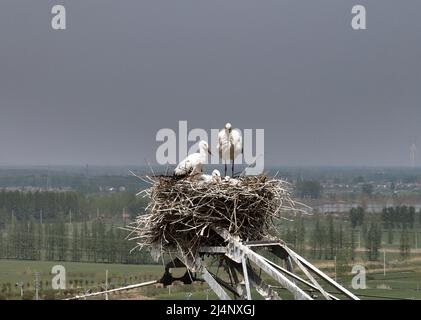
x: 238, y: 256
x: 244, y: 266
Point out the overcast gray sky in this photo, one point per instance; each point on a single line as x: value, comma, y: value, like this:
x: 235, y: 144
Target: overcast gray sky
x: 99, y: 91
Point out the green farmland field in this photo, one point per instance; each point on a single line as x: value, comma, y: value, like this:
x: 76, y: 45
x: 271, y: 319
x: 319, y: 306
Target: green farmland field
x: 400, y: 282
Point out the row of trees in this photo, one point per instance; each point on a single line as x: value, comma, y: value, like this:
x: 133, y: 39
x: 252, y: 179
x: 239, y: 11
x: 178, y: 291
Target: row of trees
x: 400, y: 216
x: 324, y: 238
x: 85, y: 183
x: 327, y: 237
x: 373, y: 240
x: 296, y: 235
x: 356, y: 216
x: 308, y: 189
x: 31, y: 204
x: 94, y: 241
x: 391, y: 217
x: 48, y: 206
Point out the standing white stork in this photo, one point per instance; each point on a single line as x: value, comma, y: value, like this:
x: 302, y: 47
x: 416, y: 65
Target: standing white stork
x: 230, y: 145
x: 193, y: 163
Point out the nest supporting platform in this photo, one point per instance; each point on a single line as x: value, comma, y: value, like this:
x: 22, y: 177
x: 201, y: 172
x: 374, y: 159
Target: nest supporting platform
x: 245, y: 265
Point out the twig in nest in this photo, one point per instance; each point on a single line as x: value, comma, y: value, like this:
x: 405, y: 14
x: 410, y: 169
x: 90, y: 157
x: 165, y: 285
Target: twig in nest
x: 180, y: 210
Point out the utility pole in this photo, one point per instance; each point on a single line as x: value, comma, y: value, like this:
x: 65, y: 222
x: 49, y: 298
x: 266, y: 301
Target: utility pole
x: 48, y: 184
x: 40, y: 216
x: 335, y: 270
x: 70, y: 214
x: 384, y: 262
x: 20, y: 285
x: 36, y: 285
x: 412, y: 155
x: 106, y: 284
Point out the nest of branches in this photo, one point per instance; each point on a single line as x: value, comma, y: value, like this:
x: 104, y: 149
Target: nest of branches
x: 182, y: 213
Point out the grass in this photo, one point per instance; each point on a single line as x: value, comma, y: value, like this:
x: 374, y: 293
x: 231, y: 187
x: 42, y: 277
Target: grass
x: 401, y: 282
x: 78, y: 275
x: 19, y: 270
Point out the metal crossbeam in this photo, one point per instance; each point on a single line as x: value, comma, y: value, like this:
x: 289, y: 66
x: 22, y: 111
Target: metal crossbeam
x: 246, y: 277
x: 133, y: 286
x: 215, y: 286
x: 197, y: 266
x: 261, y: 287
x: 295, y: 277
x: 238, y: 252
x: 321, y: 274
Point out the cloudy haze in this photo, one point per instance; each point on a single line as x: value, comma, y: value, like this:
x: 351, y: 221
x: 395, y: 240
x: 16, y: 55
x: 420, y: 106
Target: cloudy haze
x: 99, y: 91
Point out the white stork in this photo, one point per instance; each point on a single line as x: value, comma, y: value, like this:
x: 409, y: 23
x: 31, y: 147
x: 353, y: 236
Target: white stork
x: 215, y: 177
x: 230, y: 145
x: 231, y: 181
x: 193, y: 163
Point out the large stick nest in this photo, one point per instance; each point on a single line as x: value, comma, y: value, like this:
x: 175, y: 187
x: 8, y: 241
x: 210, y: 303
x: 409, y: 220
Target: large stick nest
x: 182, y: 212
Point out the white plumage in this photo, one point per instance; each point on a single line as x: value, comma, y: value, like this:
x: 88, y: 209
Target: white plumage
x: 193, y: 163
x: 230, y: 145
x: 215, y: 177
x: 231, y: 181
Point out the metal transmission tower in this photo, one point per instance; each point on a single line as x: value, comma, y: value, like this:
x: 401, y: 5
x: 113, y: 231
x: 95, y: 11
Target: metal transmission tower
x: 243, y: 263
x: 413, y: 155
